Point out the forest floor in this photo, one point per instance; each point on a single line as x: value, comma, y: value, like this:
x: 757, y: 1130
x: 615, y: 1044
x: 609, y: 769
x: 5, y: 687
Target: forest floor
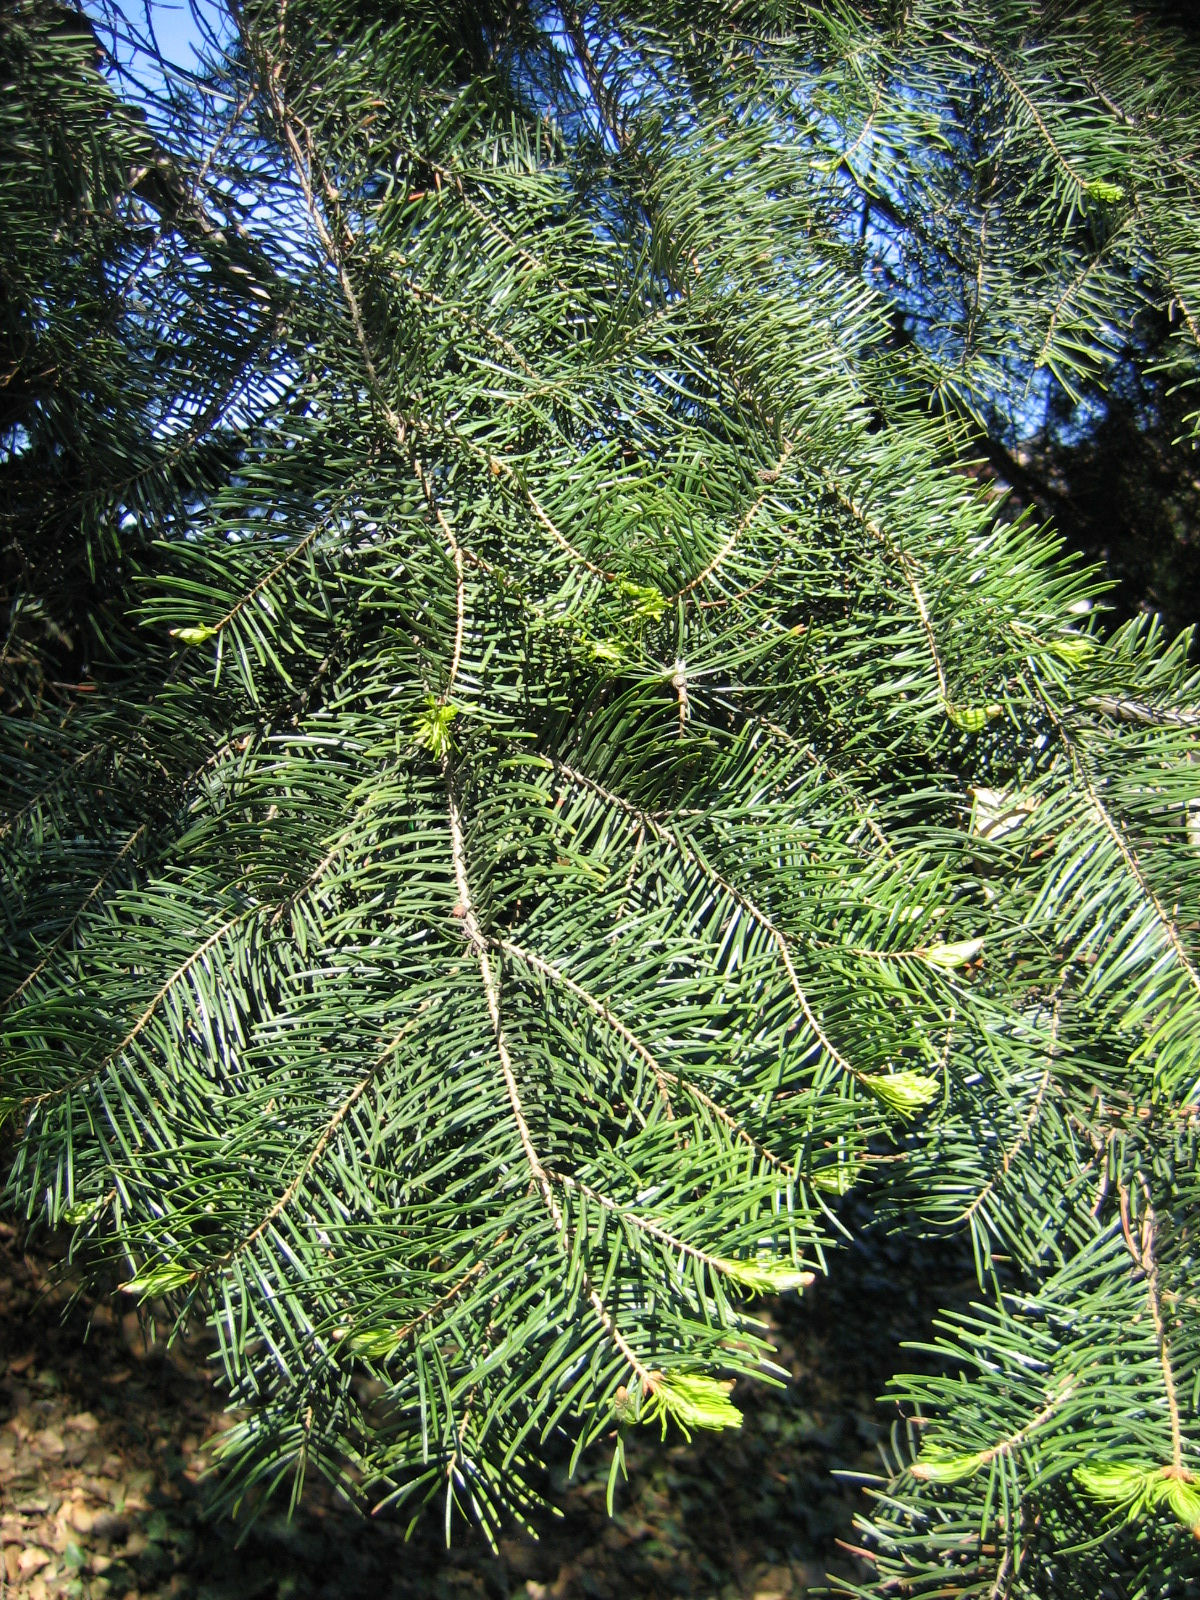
x: 103, y: 1446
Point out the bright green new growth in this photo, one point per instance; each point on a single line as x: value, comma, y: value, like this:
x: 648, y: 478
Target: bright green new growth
x: 572, y: 770
x: 194, y: 636
x: 1136, y: 1490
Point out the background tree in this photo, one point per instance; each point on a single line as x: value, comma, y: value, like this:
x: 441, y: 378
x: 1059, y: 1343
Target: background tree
x: 567, y: 770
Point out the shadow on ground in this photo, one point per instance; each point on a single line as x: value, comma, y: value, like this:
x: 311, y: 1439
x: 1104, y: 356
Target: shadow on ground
x: 102, y: 1449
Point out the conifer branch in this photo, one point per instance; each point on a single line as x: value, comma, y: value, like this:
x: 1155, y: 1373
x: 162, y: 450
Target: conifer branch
x: 460, y: 591
x: 268, y: 578
x: 96, y: 889
x: 903, y: 562
x: 860, y: 808
x: 443, y: 424
x: 717, y: 1265
x: 1147, y: 1259
x: 456, y: 183
x: 421, y: 292
x: 1013, y: 1441
x: 397, y: 425
x: 491, y: 990
x: 730, y: 544
x: 545, y: 388
x: 1116, y: 835
x: 435, y: 1309
x: 1039, y: 121
x: 664, y: 1078
x: 538, y: 1172
x: 36, y: 1102
x: 72, y: 770
x: 1069, y: 292
x: 600, y: 1009
x: 606, y: 104
x: 1126, y: 710
x: 670, y: 838
x: 1028, y: 1122
x: 844, y: 158
x: 326, y: 1136
x: 542, y: 517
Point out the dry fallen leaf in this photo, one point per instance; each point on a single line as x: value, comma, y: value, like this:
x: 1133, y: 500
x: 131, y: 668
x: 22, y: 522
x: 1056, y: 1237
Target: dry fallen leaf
x: 32, y: 1560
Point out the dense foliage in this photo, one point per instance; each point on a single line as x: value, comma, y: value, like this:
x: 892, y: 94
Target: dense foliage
x: 533, y: 767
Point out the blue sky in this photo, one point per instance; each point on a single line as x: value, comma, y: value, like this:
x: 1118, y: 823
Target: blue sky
x: 176, y: 26
x: 176, y: 30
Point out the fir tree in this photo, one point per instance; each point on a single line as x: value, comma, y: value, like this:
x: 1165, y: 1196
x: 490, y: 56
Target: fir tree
x: 531, y: 768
